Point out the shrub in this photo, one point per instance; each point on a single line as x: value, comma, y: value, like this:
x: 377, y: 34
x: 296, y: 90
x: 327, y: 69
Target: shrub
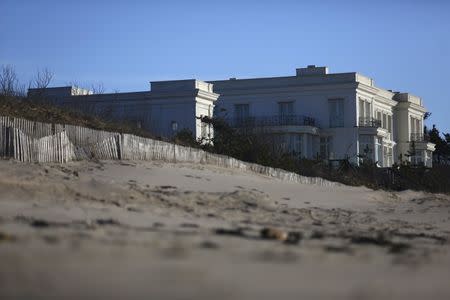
x: 257, y: 147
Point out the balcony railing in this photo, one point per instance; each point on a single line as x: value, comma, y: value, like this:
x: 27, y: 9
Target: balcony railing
x: 277, y: 120
x: 419, y: 137
x: 369, y: 122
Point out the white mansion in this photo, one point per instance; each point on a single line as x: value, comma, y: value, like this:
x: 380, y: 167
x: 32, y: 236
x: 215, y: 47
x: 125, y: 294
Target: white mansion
x: 314, y: 113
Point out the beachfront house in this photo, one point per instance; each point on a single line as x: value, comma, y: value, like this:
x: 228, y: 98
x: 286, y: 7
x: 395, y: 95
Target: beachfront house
x: 313, y: 114
x: 167, y: 108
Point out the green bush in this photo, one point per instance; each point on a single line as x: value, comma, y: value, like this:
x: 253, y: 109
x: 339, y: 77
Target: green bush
x: 257, y: 147
x: 185, y: 137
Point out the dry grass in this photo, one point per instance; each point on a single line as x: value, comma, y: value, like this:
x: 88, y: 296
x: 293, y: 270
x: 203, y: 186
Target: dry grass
x: 42, y: 112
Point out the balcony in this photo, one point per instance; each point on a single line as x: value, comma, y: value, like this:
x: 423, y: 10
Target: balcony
x: 270, y: 121
x: 369, y: 122
x: 419, y: 137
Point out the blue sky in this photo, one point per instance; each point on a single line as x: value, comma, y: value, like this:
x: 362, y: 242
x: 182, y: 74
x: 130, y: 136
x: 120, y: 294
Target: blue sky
x: 403, y: 45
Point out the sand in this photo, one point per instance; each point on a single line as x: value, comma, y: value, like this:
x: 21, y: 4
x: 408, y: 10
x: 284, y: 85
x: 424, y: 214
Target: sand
x: 149, y: 230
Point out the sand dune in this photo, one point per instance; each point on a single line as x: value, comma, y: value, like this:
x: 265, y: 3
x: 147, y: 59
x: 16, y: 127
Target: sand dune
x: 148, y: 230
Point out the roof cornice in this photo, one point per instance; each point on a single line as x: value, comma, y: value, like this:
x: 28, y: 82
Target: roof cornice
x: 207, y: 95
x: 288, y: 89
x: 411, y: 106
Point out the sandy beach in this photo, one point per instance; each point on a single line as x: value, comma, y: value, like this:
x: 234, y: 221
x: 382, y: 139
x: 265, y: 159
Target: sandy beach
x: 153, y: 230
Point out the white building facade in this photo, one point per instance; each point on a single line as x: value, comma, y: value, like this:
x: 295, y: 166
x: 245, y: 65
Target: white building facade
x: 313, y: 114
x: 167, y: 108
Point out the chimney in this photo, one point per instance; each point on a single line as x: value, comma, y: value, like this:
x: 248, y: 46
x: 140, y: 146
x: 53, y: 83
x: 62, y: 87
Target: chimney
x: 312, y: 70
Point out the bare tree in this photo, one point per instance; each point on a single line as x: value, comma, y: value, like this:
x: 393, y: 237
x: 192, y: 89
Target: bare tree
x: 98, y: 88
x: 42, y: 79
x: 39, y: 83
x: 73, y: 83
x: 9, y: 84
x: 21, y: 90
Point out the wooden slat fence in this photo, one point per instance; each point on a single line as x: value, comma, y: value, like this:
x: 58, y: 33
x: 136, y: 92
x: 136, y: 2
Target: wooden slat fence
x: 29, y: 141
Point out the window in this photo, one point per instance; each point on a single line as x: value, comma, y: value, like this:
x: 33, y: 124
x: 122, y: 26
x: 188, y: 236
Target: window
x: 416, y: 129
x: 204, y: 130
x: 241, y: 111
x: 387, y: 156
x: 285, y: 108
x: 378, y: 115
x: 367, y: 110
x: 362, y: 114
x: 366, y: 147
x: 325, y: 146
x: 417, y: 159
x: 415, y: 125
x: 294, y: 142
x: 280, y: 144
x: 298, y: 144
x: 174, y: 126
x: 364, y: 109
x: 336, y: 111
x: 428, y: 158
x: 290, y: 143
